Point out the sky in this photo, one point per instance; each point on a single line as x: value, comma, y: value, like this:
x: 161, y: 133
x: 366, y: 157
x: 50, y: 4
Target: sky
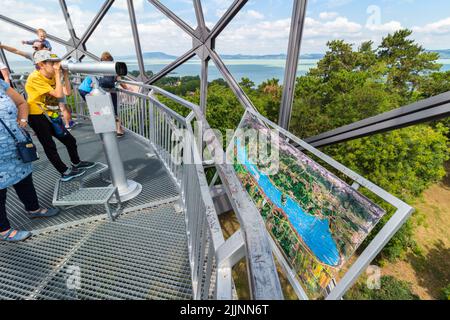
x: 262, y: 27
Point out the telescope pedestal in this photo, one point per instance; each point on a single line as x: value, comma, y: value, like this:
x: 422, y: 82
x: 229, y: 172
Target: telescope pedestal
x: 128, y: 189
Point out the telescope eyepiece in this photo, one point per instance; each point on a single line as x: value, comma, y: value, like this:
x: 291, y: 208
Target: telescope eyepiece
x: 121, y: 69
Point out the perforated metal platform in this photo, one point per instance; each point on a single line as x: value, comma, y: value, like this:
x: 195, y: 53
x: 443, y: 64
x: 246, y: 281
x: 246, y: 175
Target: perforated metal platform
x: 143, y: 255
x: 139, y: 163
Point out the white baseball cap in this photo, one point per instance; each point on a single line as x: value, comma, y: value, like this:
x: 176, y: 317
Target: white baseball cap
x: 44, y: 55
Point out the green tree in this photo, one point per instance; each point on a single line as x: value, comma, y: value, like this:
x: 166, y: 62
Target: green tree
x: 349, y: 85
x: 446, y: 293
x: 407, y: 62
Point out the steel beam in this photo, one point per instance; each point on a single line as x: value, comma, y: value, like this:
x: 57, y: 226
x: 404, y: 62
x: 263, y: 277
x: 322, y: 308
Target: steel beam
x: 167, y: 69
x: 70, y: 27
x: 290, y: 75
x: 232, y: 11
x: 234, y: 85
x: 433, y: 108
x: 137, y: 42
x: 95, y: 22
x: 172, y: 16
x: 199, y: 14
x: 204, y: 86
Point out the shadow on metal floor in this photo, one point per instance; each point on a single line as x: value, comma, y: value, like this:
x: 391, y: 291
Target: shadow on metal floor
x: 80, y: 254
x: 140, y: 165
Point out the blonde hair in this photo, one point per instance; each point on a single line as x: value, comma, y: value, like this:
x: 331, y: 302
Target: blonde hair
x: 106, y: 56
x: 40, y: 30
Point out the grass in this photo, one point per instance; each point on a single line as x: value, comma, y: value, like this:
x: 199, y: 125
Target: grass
x: 429, y: 271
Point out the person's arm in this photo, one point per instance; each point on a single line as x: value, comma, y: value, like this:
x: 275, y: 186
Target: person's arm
x: 58, y: 91
x: 22, y: 106
x: 5, y: 73
x: 123, y: 85
x: 48, y: 45
x: 67, y: 88
x: 29, y: 42
x: 14, y: 50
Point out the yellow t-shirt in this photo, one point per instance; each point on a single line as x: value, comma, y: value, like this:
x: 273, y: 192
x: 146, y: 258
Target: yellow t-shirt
x: 38, y: 88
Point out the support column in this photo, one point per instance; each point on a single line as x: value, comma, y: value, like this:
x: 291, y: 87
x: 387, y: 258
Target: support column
x: 295, y: 38
x: 137, y: 42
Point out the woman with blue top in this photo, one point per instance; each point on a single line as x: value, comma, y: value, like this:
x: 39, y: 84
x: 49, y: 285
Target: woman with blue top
x: 13, y: 171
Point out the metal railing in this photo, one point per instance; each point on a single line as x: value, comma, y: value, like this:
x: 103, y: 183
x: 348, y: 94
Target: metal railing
x: 154, y: 123
x: 149, y: 120
x: 203, y: 228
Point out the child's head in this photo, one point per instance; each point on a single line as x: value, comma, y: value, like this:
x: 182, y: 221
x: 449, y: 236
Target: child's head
x: 106, y: 56
x: 42, y: 34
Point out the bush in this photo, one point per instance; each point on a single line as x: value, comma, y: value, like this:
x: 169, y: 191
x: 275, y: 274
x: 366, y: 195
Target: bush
x: 446, y: 293
x: 391, y: 289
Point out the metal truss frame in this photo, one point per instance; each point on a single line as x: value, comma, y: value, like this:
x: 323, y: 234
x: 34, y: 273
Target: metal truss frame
x: 203, y: 46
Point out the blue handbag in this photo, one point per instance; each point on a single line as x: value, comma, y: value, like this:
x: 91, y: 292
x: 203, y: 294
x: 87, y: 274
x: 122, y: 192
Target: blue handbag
x: 26, y: 149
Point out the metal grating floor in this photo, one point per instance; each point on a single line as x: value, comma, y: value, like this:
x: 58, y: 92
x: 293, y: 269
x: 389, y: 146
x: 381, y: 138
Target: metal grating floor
x: 143, y: 255
x: 140, y: 165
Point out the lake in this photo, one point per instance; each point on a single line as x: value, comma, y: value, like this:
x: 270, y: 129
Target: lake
x: 315, y: 232
x: 258, y: 70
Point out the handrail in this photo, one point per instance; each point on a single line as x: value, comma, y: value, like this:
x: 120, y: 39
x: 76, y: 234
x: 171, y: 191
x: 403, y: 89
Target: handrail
x: 262, y: 272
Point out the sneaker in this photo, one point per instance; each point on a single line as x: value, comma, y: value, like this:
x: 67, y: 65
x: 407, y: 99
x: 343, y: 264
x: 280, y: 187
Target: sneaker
x: 71, y: 125
x: 40, y: 214
x: 71, y: 174
x: 20, y: 235
x: 84, y: 165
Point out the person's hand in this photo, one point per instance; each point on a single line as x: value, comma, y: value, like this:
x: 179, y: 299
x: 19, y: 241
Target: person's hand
x: 22, y: 124
x: 57, y: 66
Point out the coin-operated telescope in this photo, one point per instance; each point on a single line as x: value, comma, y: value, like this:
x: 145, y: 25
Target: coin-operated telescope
x: 103, y: 119
x: 103, y: 68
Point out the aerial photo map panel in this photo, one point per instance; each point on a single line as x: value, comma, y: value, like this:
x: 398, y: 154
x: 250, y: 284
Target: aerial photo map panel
x: 316, y: 219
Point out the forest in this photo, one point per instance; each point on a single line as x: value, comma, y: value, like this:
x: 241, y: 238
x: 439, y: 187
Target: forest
x: 349, y: 84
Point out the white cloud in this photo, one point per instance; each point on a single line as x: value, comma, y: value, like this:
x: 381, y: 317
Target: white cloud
x: 440, y: 27
x: 255, y: 14
x: 328, y: 15
x: 388, y: 27
x: 251, y: 32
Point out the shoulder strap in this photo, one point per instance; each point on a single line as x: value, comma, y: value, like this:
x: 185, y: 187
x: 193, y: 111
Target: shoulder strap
x: 44, y: 112
x: 9, y: 130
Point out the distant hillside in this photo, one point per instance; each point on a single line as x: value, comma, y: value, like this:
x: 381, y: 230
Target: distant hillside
x: 151, y: 55
x: 444, y: 54
x: 165, y: 56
